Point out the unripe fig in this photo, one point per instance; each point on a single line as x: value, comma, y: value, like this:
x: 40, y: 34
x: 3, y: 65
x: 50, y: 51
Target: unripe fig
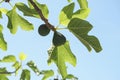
x: 7, y: 0
x: 58, y: 39
x: 43, y: 30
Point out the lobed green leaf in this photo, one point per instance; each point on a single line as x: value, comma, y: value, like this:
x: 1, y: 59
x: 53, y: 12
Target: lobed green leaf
x: 43, y: 8
x: 1, y: 28
x: 24, y: 24
x: 70, y: 76
x: 3, y: 44
x: 60, y: 55
x: 26, y: 10
x: 69, y: 0
x: 25, y: 75
x: 33, y: 66
x: 9, y: 58
x: 83, y: 4
x: 3, y: 76
x: 16, y: 65
x: 47, y: 74
x: 81, y: 13
x: 3, y: 69
x: 0, y: 14
x: 30, y: 11
x: 66, y: 14
x: 30, y: 5
x: 80, y: 29
x: 14, y: 20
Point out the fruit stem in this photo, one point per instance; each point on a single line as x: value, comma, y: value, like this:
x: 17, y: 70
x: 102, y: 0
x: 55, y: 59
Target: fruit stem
x: 50, y: 26
x: 61, y: 28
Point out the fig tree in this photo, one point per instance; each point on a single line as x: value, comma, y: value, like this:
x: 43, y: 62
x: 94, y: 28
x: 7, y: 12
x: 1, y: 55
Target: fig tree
x: 58, y: 39
x: 43, y: 30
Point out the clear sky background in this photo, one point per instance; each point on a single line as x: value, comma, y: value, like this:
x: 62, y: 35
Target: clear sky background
x: 104, y: 16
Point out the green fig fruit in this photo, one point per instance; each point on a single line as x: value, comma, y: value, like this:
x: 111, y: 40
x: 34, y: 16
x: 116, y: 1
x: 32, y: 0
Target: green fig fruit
x: 58, y: 39
x: 43, y: 30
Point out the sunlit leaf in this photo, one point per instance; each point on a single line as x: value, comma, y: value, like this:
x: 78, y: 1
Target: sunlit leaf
x: 47, y: 74
x: 15, y: 20
x: 9, y: 58
x: 16, y: 65
x: 0, y: 14
x: 3, y: 76
x: 43, y: 8
x: 83, y: 4
x: 60, y: 55
x: 69, y: 76
x: 3, y: 10
x: 24, y: 24
x: 66, y: 14
x: 12, y: 20
x: 80, y: 29
x: 3, y: 44
x: 25, y: 75
x: 26, y: 10
x: 1, y: 28
x: 72, y: 77
x: 22, y: 56
x: 81, y: 13
x: 30, y: 11
x: 84, y: 11
x: 69, y: 0
x: 3, y: 69
x: 30, y: 5
x: 33, y: 66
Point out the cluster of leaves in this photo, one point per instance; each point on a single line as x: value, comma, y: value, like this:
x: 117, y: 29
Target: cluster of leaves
x: 17, y: 65
x: 73, y: 21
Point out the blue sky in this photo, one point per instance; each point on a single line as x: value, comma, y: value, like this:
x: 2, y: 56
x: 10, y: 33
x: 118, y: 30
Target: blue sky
x: 104, y: 16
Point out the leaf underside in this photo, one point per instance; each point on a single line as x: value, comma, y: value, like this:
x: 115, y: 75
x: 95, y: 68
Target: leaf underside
x: 80, y: 29
x: 33, y: 66
x: 30, y: 11
x: 67, y: 13
x: 3, y: 76
x: 83, y: 4
x: 3, y: 43
x: 15, y: 20
x: 47, y: 74
x: 9, y: 58
x: 60, y: 55
x: 25, y: 75
x: 0, y: 14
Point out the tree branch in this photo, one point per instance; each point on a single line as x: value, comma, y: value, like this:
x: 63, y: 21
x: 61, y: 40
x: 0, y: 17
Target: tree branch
x: 50, y: 26
x: 11, y: 72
